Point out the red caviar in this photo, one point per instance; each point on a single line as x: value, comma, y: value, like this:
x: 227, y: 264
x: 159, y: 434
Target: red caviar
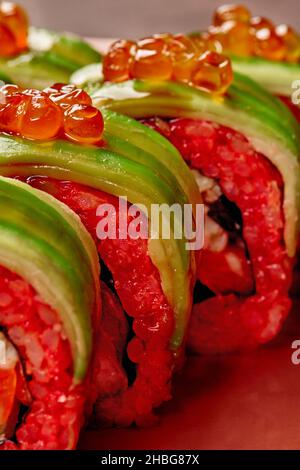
x: 61, y: 110
x: 266, y: 43
x: 231, y: 36
x: 7, y: 42
x: 116, y: 63
x: 182, y: 52
x: 83, y: 123
x: 13, y: 29
x: 212, y: 72
x: 152, y: 60
x: 235, y: 31
x: 168, y: 57
x: 42, y: 119
x: 291, y: 40
x: 225, y: 13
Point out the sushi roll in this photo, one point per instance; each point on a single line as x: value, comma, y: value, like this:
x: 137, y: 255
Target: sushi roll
x: 242, y: 145
x: 57, y: 142
x: 35, y: 57
x: 49, y: 312
x: 267, y: 53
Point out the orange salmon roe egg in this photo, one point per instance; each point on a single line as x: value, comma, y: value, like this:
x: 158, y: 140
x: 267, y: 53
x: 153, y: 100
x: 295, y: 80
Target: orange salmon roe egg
x: 210, y: 40
x: 117, y: 62
x: 58, y: 88
x: 224, y: 13
x: 169, y: 57
x: 291, y: 40
x: 13, y: 29
x: 83, y: 123
x: 8, y: 46
x: 183, y: 53
x: 8, y: 381
x: 234, y: 37
x: 236, y: 32
x: 42, y: 119
x: 76, y: 96
x: 213, y: 72
x: 9, y: 89
x: 66, y: 95
x: 12, y: 113
x: 266, y: 43
x: 61, y: 110
x: 151, y: 60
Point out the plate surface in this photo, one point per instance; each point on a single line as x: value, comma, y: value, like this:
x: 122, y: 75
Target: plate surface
x: 248, y: 401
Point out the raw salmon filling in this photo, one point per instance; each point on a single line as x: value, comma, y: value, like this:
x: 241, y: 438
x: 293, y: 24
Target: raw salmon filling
x: 244, y: 262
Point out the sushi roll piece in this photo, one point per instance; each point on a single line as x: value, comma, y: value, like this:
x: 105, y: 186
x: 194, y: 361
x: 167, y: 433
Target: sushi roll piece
x: 87, y: 160
x: 242, y: 146
x: 36, y: 57
x: 265, y: 52
x: 49, y: 312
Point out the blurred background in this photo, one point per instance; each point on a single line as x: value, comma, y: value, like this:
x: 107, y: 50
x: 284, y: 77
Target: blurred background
x: 135, y: 18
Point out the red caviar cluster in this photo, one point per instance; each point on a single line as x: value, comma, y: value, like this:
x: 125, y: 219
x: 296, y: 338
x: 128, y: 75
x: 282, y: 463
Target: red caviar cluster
x: 235, y: 31
x: 13, y: 29
x: 168, y: 57
x: 59, y: 111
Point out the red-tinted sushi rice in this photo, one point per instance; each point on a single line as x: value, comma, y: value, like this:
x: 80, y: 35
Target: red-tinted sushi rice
x: 257, y: 279
x: 52, y: 406
x: 137, y: 283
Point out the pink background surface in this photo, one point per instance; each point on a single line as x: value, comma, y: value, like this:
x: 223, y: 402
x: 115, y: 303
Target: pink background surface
x: 130, y: 18
x: 248, y: 401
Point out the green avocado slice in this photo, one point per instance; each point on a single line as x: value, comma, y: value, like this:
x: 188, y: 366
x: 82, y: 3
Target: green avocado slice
x: 64, y: 49
x: 48, y: 246
x: 246, y: 108
x: 277, y: 77
x: 52, y: 58
x: 32, y: 70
